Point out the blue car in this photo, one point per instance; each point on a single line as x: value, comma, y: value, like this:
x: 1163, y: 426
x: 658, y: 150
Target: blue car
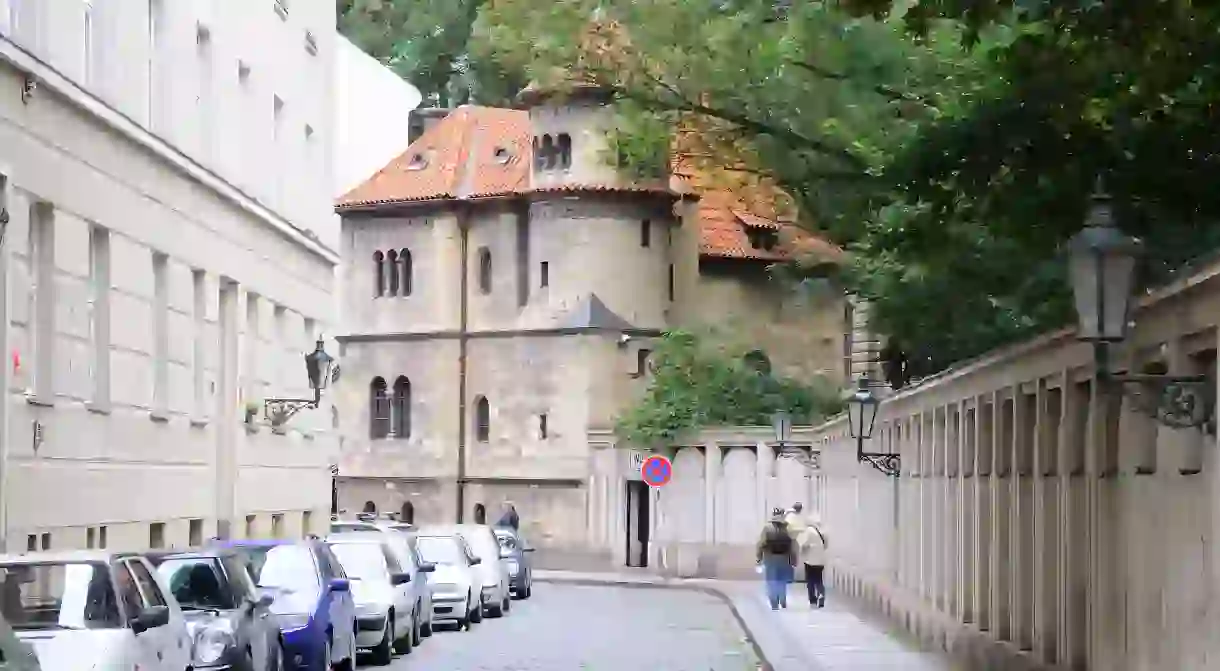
x: 312, y: 601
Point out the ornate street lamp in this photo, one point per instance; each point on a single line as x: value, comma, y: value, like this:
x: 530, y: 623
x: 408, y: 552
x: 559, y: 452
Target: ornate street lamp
x: 781, y: 421
x: 318, y: 366
x: 862, y: 408
x: 1102, y: 272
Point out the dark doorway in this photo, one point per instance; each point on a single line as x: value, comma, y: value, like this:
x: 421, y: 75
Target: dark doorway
x: 480, y: 514
x: 407, y: 514
x: 334, y: 496
x: 370, y: 507
x: 637, y: 523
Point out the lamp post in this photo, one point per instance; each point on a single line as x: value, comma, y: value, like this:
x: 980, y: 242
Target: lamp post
x: 1102, y: 271
x: 862, y: 408
x: 781, y: 422
x: 318, y: 365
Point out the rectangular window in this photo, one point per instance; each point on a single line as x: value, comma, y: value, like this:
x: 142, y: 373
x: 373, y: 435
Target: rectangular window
x: 99, y: 313
x: 204, y: 103
x: 671, y: 282
x: 544, y: 271
x: 90, y: 538
x: 31, y: 543
x: 156, y: 535
x: 542, y: 427
x: 101, y: 538
x: 250, y: 520
x: 46, y: 541
x: 641, y: 362
x: 306, y: 523
x: 199, y: 300
x: 646, y: 233
x: 87, y: 56
x: 195, y: 533
x: 42, y: 260
x: 160, y: 324
x: 277, y: 525
x: 252, y: 347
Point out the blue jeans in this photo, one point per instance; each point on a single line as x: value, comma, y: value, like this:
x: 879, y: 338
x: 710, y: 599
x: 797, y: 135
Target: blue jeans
x: 778, y: 573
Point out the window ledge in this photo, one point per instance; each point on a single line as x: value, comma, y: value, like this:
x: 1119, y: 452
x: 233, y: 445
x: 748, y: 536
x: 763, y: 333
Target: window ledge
x: 199, y: 422
x: 40, y: 401
x: 98, y: 408
x: 158, y: 416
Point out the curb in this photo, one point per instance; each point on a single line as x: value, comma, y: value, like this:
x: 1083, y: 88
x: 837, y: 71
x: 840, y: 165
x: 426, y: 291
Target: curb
x: 764, y: 664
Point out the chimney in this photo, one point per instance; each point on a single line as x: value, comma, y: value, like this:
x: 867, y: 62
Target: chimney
x: 422, y: 120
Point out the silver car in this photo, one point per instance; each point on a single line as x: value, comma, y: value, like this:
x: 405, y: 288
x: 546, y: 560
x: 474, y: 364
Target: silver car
x: 492, y: 571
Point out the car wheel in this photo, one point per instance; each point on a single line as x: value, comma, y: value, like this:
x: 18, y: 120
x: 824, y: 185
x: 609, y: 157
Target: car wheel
x: 496, y: 610
x: 425, y: 629
x: 476, y: 615
x: 508, y: 602
x: 404, y: 645
x: 529, y: 589
x: 383, y: 652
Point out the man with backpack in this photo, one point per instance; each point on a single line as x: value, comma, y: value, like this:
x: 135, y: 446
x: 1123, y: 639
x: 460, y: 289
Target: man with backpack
x: 777, y: 556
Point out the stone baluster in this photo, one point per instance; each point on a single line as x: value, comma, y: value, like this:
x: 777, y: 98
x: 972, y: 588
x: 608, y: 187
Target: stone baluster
x: 923, y: 426
x: 934, y: 484
x: 1021, y: 533
x: 712, y: 457
x: 984, y: 442
x: 950, y: 507
x: 966, y: 509
x: 1001, y: 516
x: 1106, y: 636
x: 1074, y: 523
x: 1046, y: 517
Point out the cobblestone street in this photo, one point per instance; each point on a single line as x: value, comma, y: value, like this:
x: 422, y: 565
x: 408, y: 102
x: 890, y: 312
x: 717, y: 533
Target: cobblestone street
x: 570, y: 628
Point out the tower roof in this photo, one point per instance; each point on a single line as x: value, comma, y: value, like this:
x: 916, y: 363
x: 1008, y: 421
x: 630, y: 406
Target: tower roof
x: 592, y: 313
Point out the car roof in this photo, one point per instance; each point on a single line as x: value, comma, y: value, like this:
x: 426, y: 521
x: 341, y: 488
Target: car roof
x: 201, y: 553
x: 66, y: 556
x: 262, y: 543
x: 355, y: 537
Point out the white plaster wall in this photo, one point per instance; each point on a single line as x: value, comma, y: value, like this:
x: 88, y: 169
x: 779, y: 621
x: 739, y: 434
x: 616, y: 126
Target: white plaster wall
x: 372, y: 105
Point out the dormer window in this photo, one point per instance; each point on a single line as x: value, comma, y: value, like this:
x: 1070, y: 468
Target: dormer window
x: 553, y: 153
x: 417, y: 162
x: 502, y: 155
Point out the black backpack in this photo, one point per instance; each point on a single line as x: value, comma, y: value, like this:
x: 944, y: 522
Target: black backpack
x: 777, y: 541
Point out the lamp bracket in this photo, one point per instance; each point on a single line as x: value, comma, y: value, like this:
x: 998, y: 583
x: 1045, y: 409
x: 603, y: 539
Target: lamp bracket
x: 278, y: 411
x: 808, y: 459
x: 888, y: 463
x: 1178, y: 402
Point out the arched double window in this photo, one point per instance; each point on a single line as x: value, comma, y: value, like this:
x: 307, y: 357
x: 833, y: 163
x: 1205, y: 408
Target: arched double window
x: 548, y: 155
x: 482, y: 419
x: 406, y: 270
x: 379, y: 409
x: 400, y: 408
x: 379, y: 273
x: 391, y: 269
x: 484, y: 270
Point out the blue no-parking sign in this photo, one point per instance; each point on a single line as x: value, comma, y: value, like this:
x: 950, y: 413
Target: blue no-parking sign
x: 657, y: 470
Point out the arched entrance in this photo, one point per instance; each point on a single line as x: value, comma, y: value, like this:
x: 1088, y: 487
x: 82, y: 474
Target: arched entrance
x: 480, y: 514
x: 407, y: 513
x: 370, y: 507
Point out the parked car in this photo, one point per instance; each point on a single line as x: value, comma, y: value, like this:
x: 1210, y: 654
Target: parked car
x: 226, y: 616
x: 387, y: 609
x: 15, y: 654
x: 455, y: 582
x: 515, y: 553
x: 408, y: 558
x: 312, y: 601
x: 93, y: 610
x: 492, y: 571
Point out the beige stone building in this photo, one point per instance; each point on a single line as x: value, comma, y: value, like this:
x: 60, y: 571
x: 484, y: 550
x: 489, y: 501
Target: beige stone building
x: 502, y: 285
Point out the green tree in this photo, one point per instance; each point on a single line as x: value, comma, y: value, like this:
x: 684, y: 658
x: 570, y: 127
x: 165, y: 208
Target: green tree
x: 695, y: 383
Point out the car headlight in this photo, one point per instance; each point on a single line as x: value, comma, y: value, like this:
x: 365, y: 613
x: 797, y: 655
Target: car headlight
x: 293, y: 621
x: 212, y: 642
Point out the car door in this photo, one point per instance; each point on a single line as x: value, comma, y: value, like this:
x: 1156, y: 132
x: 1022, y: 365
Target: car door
x: 404, y: 605
x: 402, y: 554
x: 148, y: 653
x: 252, y: 621
x: 170, y: 640
x: 339, y: 605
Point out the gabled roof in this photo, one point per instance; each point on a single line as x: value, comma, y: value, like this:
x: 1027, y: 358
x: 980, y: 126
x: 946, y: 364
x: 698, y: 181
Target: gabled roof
x: 592, y: 313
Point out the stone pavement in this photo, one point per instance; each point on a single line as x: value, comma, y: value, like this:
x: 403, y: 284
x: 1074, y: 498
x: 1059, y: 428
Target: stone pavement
x: 798, y: 638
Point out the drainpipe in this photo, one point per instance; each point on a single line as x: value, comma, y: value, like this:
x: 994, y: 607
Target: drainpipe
x: 463, y: 338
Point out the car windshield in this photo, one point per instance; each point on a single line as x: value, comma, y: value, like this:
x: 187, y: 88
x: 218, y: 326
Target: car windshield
x: 439, y: 550
x: 70, y: 595
x: 195, y: 582
x: 362, y: 561
x: 482, y: 543
x: 290, y: 571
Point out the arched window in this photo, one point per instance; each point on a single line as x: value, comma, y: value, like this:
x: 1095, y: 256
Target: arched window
x: 404, y: 262
x: 379, y: 273
x: 565, y: 151
x: 379, y: 409
x: 391, y: 269
x: 482, y: 419
x: 548, y: 152
x: 480, y: 513
x: 370, y: 507
x: 484, y: 270
x: 407, y: 513
x: 400, y: 410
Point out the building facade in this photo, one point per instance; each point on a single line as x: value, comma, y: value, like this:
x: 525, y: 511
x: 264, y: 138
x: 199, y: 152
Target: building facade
x: 168, y: 257
x: 502, y: 285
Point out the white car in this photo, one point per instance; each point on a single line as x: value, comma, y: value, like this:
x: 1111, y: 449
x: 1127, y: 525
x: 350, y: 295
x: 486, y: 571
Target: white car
x: 399, y: 536
x: 94, y: 610
x: 492, y: 570
x: 387, y: 619
x: 455, y: 582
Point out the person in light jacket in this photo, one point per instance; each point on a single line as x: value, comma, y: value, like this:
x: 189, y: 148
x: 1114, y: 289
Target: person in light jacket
x: 814, y: 547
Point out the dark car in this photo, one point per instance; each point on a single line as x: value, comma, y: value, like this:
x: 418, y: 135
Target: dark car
x: 225, y: 615
x: 312, y: 601
x: 515, y: 553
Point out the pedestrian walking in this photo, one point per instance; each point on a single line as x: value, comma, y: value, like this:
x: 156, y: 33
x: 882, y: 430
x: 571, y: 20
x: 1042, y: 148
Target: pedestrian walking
x: 777, y: 556
x: 813, y: 550
x: 510, y: 518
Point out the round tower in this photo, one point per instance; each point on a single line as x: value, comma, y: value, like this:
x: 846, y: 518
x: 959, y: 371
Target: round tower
x: 570, y: 127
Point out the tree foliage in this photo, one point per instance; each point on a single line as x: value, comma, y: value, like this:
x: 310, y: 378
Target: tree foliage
x: 695, y: 383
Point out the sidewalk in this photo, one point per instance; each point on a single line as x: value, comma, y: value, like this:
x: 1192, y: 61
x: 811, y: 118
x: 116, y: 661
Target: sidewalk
x: 794, y: 639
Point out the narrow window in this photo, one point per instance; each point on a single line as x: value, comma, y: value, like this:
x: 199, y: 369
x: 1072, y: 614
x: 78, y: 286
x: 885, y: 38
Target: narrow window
x: 207, y: 113
x: 370, y: 507
x: 160, y: 265
x: 90, y: 539
x: 482, y: 419
x: 42, y: 257
x: 485, y: 270
x: 480, y: 513
x: 156, y: 535
x: 31, y: 543
x: 199, y: 316
x: 391, y: 268
x: 548, y: 152
x: 671, y: 282
x: 407, y: 513
x: 538, y: 162
x: 306, y: 522
x: 401, y: 410
x: 646, y: 233
x: 565, y: 151
x: 250, y: 525
x: 252, y: 347
x: 379, y: 409
x: 87, y: 56
x: 407, y: 271
x: 641, y: 362
x: 101, y: 538
x: 542, y: 428
x: 195, y: 533
x: 99, y: 313
x: 46, y: 541
x: 544, y: 272
x: 379, y: 273
x: 277, y: 525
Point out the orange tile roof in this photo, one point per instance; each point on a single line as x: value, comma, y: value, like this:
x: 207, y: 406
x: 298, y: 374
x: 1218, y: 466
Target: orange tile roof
x: 461, y: 157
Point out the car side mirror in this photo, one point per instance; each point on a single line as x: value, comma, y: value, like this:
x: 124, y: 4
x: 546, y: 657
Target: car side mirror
x: 476, y: 561
x: 527, y: 549
x: 264, y: 600
x: 400, y: 578
x: 150, y: 618
x: 427, y: 568
x: 340, y: 585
